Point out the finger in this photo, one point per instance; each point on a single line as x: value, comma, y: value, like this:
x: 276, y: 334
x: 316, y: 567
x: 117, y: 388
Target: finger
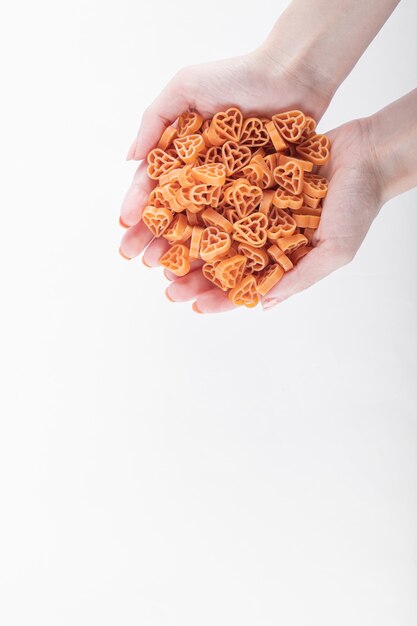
x: 170, y: 275
x: 135, y: 240
x: 187, y: 287
x: 154, y: 251
x: 213, y: 301
x: 136, y: 196
x: 316, y: 265
x: 165, y: 109
x: 194, y: 266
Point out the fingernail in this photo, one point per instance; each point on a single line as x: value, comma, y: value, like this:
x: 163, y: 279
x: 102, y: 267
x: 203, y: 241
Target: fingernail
x: 131, y: 152
x: 123, y: 255
x: 145, y: 263
x: 269, y: 303
x: 168, y: 296
x: 195, y: 308
x: 167, y: 276
x: 122, y: 224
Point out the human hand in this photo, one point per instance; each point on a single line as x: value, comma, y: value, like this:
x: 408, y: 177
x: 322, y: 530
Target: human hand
x: 353, y: 201
x: 298, y: 64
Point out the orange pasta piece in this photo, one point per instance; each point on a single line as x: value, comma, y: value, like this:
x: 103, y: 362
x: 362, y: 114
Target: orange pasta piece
x: 245, y: 292
x: 186, y: 235
x: 169, y: 177
x: 266, y: 202
x: 160, y: 162
x: 254, y: 133
x: 192, y: 218
x: 213, y: 155
x: 315, y: 149
x: 308, y: 129
x: 280, y: 257
x: 306, y: 166
x: 307, y: 221
x: 299, y: 253
x: 306, y: 210
x: 176, y: 229
x: 225, y: 126
x: 245, y: 198
x: 167, y: 137
x: 214, y: 243
x: 280, y: 224
x: 290, y: 176
x: 276, y: 137
x: 290, y: 244
x: 285, y: 200
x: 269, y: 278
x: 315, y: 186
x: 169, y: 191
x: 210, y: 174
x: 234, y: 156
x: 185, y: 176
x: 157, y: 220
x: 290, y: 124
x: 189, y: 123
x: 157, y: 199
x: 212, y: 218
x: 230, y: 271
x: 196, y: 235
x: 188, y: 148
x: 309, y: 233
x: 209, y: 272
x: 313, y: 203
x: 176, y: 259
x: 256, y: 258
x: 271, y: 160
x: 251, y: 229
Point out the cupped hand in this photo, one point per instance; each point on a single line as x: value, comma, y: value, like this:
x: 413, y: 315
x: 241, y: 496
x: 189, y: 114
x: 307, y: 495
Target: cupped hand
x: 255, y: 83
x: 352, y: 203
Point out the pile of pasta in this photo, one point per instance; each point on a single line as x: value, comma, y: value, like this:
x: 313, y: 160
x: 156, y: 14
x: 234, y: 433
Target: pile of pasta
x: 240, y: 194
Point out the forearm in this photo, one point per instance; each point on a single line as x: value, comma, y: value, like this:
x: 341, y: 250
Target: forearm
x: 324, y: 39
x: 393, y: 136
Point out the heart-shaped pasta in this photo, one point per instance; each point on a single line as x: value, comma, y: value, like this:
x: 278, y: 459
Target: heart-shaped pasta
x: 252, y: 229
x: 214, y: 243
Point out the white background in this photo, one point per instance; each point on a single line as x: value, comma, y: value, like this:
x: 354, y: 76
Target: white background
x: 162, y: 468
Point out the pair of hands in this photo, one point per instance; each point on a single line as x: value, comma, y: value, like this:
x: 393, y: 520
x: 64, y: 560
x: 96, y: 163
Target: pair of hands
x: 254, y: 86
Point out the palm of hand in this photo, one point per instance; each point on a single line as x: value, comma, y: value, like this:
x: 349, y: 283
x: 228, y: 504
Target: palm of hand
x: 353, y: 200
x: 247, y: 83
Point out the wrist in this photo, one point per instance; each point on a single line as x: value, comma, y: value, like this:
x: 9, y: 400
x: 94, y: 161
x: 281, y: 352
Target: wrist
x: 393, y: 141
x: 318, y: 43
x: 294, y: 76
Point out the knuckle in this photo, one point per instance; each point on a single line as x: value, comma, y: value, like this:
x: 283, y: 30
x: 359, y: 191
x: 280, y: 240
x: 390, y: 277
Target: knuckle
x: 183, y: 76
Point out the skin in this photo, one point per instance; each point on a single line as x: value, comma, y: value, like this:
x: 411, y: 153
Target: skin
x: 300, y: 65
x: 372, y: 160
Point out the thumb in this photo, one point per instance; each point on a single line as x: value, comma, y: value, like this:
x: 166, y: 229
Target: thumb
x: 164, y: 110
x: 317, y: 264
